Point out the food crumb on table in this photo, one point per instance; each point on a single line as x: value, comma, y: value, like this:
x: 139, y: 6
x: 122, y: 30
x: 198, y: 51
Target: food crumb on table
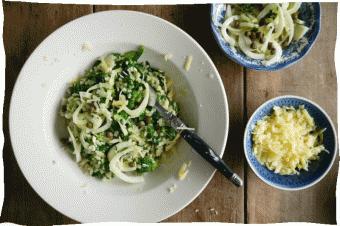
x: 213, y: 211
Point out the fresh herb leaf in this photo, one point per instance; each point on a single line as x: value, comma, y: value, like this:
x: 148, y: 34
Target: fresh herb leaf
x: 135, y: 54
x: 104, y: 148
x: 147, y: 164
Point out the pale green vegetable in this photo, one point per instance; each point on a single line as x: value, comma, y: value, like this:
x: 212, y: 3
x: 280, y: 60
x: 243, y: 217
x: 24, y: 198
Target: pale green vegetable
x: 224, y: 30
x: 112, y: 131
x: 262, y: 31
x: 300, y: 31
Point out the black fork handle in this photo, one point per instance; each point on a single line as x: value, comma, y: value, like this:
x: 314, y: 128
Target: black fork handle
x: 209, y: 154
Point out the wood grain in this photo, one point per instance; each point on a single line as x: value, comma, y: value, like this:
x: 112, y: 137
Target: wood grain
x: 314, y: 78
x: 25, y: 26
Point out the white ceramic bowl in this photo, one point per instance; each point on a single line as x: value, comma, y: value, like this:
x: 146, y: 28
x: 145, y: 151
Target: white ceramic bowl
x: 36, y: 128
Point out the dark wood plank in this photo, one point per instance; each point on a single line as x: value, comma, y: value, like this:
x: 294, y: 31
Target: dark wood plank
x: 314, y: 77
x: 25, y: 26
x: 21, y: 35
x: 220, y: 194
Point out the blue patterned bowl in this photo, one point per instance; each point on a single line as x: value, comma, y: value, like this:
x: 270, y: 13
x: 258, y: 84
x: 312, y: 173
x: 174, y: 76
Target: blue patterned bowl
x: 317, y: 169
x: 308, y: 12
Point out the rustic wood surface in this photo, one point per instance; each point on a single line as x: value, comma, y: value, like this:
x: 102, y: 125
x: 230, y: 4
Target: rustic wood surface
x: 27, y: 24
x: 314, y: 77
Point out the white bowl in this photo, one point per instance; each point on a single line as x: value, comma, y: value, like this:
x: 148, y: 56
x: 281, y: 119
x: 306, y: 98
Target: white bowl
x: 36, y: 128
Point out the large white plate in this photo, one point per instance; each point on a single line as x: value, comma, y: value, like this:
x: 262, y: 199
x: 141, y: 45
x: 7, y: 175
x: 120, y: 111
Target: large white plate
x: 36, y: 128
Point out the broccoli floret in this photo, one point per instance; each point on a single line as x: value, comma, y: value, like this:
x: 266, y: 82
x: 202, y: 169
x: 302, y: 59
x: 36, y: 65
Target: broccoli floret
x: 104, y: 148
x: 136, y: 98
x: 147, y: 164
x: 247, y: 8
x: 100, y: 137
x: 123, y: 115
x: 150, y: 131
x: 174, y: 106
x: 77, y: 87
x: 96, y: 76
x: 169, y: 132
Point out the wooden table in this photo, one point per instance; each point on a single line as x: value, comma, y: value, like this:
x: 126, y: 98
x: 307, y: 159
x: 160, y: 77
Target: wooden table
x: 27, y: 24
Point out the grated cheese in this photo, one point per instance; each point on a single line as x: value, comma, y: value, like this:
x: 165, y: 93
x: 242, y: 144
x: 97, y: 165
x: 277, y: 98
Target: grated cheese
x: 287, y: 140
x: 188, y: 62
x: 86, y: 46
x: 183, y: 170
x: 168, y: 56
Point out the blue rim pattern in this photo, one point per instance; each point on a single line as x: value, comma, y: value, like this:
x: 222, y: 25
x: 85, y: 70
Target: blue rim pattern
x: 317, y: 169
x: 309, y: 12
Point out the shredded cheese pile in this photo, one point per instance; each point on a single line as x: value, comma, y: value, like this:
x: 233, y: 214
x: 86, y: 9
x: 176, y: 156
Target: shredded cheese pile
x: 287, y: 140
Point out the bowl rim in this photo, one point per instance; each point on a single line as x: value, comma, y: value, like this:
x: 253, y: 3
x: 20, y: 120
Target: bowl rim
x: 247, y: 128
x: 280, y: 66
x: 157, y: 18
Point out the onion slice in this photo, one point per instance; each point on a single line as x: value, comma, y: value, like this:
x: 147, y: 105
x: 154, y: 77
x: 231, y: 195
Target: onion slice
x: 228, y: 12
x: 277, y: 56
x: 224, y: 28
x: 139, y: 110
x: 289, y: 25
x: 266, y: 10
x: 108, y: 123
x: 267, y: 38
x: 82, y: 140
x: 294, y: 8
x: 280, y: 25
x: 76, y: 145
x: 116, y: 169
x: 246, y: 50
x: 75, y: 117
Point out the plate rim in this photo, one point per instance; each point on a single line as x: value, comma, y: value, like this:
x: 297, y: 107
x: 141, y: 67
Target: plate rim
x: 17, y: 84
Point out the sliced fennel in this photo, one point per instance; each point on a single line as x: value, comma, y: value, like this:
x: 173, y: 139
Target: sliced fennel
x: 299, y: 31
x: 118, y: 170
x: 112, y: 131
x: 262, y: 31
x: 224, y: 27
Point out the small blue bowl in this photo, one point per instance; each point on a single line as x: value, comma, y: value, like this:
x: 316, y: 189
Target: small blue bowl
x: 308, y: 12
x: 317, y: 169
